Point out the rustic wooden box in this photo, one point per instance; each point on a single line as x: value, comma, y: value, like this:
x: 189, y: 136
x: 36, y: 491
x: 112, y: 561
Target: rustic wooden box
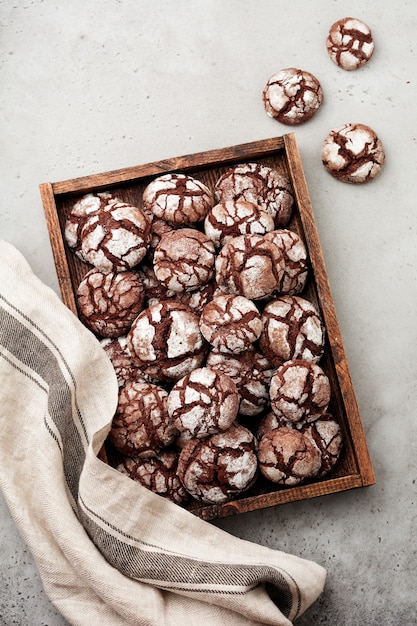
x: 281, y: 153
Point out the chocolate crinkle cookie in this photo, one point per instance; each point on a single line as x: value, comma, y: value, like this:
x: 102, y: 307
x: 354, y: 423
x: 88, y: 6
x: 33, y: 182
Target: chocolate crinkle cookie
x: 250, y: 266
x: 219, y: 467
x: 349, y: 43
x: 166, y: 342
x: 295, y: 261
x: 236, y: 217
x: 292, y: 96
x: 288, y: 457
x: 353, y: 153
x: 203, y: 403
x: 114, y: 238
x: 251, y: 372
x: 184, y: 260
x: 299, y: 391
x: 80, y: 212
x: 261, y: 185
x: 231, y: 323
x: 125, y: 369
x: 325, y: 433
x: 292, y: 329
x: 158, y: 474
x: 109, y: 302
x: 178, y: 198
x: 141, y: 425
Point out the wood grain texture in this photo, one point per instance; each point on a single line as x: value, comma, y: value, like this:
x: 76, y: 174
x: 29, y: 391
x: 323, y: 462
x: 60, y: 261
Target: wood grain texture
x: 281, y: 153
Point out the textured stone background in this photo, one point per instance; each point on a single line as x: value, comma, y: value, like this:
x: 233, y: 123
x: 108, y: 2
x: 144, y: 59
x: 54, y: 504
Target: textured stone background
x: 90, y: 86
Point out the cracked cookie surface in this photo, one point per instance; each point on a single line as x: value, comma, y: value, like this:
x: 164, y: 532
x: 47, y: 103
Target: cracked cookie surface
x: 231, y: 323
x: 166, y: 342
x: 261, y: 185
x: 299, y: 391
x: 141, y: 425
x: 353, y: 153
x: 178, y: 198
x: 250, y: 266
x: 220, y: 466
x: 292, y: 329
x: 184, y: 260
x: 287, y: 457
x: 203, y: 403
x: 108, y: 303
x: 349, y: 43
x: 292, y: 96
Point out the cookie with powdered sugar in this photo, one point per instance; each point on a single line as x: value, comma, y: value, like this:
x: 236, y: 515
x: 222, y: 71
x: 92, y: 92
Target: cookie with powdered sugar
x: 353, y: 153
x: 236, y: 217
x: 184, y: 260
x: 178, y: 198
x: 165, y: 341
x: 141, y: 426
x: 349, y: 43
x: 250, y: 266
x: 108, y: 303
x: 261, y: 185
x: 219, y: 467
x: 295, y: 260
x: 292, y: 96
x: 287, y: 457
x: 203, y: 403
x: 115, y: 238
x: 251, y: 372
x: 292, y: 329
x: 231, y: 323
x: 299, y: 391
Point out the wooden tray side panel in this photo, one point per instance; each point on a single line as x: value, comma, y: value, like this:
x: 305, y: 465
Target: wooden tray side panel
x: 58, y: 247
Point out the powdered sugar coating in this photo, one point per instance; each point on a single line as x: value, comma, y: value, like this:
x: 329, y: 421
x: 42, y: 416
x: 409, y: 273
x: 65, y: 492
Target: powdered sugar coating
x: 250, y: 266
x: 203, y: 403
x: 261, y: 185
x: 292, y: 329
x: 166, y: 342
x: 184, y: 260
x: 287, y: 457
x: 108, y: 303
x: 236, y: 217
x: 219, y: 467
x: 84, y: 207
x: 349, y: 43
x: 295, y: 260
x: 326, y: 434
x: 125, y: 369
x: 159, y: 474
x: 251, y: 372
x: 141, y: 425
x: 353, y: 153
x: 299, y: 391
x: 292, y: 96
x: 231, y: 323
x: 178, y: 198
x: 115, y: 238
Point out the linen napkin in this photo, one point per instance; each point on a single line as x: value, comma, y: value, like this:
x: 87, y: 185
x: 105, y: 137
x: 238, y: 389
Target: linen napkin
x: 109, y: 551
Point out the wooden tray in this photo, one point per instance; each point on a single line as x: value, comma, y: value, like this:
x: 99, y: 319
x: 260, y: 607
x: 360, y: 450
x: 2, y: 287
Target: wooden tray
x: 281, y: 153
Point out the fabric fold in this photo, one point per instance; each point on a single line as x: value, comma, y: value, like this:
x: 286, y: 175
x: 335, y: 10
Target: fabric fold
x: 108, y: 550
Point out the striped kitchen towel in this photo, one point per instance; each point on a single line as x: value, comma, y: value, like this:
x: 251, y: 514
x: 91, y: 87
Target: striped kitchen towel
x: 109, y: 551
